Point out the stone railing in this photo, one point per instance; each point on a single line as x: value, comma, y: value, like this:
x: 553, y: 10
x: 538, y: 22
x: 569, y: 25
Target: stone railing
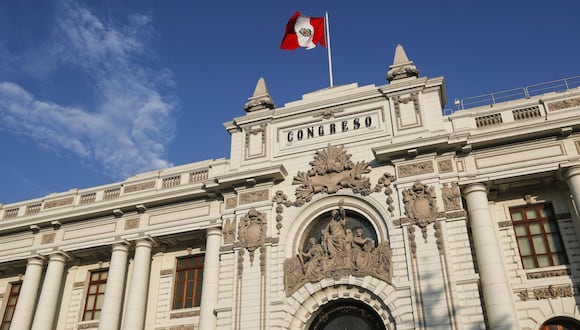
x: 86, y: 197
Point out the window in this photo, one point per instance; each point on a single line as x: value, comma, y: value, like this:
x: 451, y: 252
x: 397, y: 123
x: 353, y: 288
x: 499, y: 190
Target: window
x: 11, y: 305
x: 188, y: 279
x: 95, y: 295
x: 538, y: 236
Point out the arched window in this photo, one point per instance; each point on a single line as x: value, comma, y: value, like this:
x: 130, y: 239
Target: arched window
x: 561, y: 323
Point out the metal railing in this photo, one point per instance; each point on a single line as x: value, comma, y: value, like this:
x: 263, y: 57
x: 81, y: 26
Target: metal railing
x: 518, y: 93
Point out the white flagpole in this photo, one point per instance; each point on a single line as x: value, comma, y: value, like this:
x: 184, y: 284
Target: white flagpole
x: 328, y: 49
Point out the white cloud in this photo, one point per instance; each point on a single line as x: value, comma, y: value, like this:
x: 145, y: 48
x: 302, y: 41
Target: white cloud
x: 127, y: 128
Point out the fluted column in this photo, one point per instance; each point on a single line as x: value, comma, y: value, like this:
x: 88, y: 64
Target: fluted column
x: 210, y: 285
x: 113, y: 300
x: 138, y: 286
x: 48, y: 301
x: 28, y: 292
x: 497, y: 294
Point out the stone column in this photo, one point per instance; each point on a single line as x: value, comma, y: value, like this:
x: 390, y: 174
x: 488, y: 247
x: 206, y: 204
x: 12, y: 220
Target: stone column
x: 138, y: 287
x: 572, y: 176
x: 210, y: 285
x: 497, y: 293
x: 113, y: 300
x: 28, y: 292
x: 49, y: 296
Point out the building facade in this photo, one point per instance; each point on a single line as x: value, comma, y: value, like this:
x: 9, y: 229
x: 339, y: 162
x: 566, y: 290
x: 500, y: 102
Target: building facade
x: 355, y: 207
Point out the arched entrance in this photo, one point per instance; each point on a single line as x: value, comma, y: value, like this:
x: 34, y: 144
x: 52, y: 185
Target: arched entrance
x: 561, y: 323
x: 346, y: 314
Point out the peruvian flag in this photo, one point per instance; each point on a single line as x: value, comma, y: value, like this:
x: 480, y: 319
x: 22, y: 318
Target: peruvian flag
x: 303, y: 31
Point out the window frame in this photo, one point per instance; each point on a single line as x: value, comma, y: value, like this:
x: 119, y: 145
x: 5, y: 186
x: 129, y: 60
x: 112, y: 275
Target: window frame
x: 99, y: 295
x: 9, y: 306
x: 535, y: 232
x: 192, y: 273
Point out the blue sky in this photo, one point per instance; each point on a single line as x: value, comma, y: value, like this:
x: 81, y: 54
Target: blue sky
x: 92, y: 92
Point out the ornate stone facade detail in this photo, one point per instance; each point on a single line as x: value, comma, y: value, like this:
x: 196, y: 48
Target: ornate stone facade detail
x: 339, y: 252
x: 420, y: 205
x: 569, y: 103
x: 254, y: 196
x: 92, y: 325
x: 58, y: 202
x: 413, y: 97
x: 231, y: 202
x: 229, y: 231
x: 139, y: 186
x: 181, y: 315
x: 451, y: 196
x: 550, y: 273
x: 549, y: 292
x: 328, y: 113
x: 415, y: 169
x: 445, y: 166
x: 280, y: 199
x: 504, y: 224
x: 252, y: 231
x: 48, y: 238
x: 331, y: 171
x: 131, y: 223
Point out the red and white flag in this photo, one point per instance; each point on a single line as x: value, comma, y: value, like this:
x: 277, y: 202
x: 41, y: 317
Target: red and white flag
x: 303, y: 31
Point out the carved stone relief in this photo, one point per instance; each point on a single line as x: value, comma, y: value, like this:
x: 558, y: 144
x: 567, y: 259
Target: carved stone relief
x: 420, y: 206
x: 549, y: 292
x: 451, y: 196
x: 404, y: 119
x: 254, y: 196
x: 229, y: 231
x: 252, y: 231
x: 338, y: 250
x: 331, y: 171
x: 231, y: 202
x: 569, y: 103
x: 256, y: 142
x: 415, y: 169
x: 328, y: 113
x: 445, y: 166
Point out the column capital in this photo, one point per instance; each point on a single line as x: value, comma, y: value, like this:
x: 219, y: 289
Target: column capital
x: 476, y: 186
x: 214, y: 231
x: 571, y: 171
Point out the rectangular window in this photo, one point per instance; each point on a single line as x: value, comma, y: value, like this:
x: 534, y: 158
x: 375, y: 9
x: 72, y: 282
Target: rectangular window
x: 11, y: 305
x: 95, y: 295
x: 538, y: 236
x: 188, y: 279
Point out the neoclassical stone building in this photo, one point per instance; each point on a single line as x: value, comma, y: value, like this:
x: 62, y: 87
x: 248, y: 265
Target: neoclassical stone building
x: 355, y: 207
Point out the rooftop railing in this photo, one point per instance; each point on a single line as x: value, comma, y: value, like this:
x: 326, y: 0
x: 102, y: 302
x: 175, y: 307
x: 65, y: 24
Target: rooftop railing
x: 518, y: 93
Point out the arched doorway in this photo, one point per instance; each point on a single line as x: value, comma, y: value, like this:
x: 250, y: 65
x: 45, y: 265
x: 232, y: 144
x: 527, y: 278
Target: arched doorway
x: 561, y: 323
x: 346, y: 314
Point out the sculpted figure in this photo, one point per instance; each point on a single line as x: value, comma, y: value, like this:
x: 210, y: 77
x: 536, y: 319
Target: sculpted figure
x: 314, y: 264
x: 334, y: 236
x: 361, y: 252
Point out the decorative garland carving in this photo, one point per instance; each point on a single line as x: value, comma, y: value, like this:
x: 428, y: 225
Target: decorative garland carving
x: 385, y: 183
x: 549, y: 292
x: 338, y: 253
x: 420, y: 205
x: 252, y: 231
x: 328, y: 113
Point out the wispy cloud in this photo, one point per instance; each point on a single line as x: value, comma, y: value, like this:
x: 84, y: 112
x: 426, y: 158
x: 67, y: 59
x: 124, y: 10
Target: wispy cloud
x: 128, y: 127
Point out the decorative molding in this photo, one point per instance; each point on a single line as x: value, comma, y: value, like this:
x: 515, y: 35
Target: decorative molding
x: 263, y: 136
x: 92, y: 325
x: 415, y: 169
x: 254, y: 196
x: 231, y: 202
x: 385, y: 182
x: 252, y: 231
x: 451, y: 196
x: 397, y: 101
x: 328, y: 113
x: 338, y: 253
x: 58, y: 202
x: 229, y: 231
x: 180, y: 315
x: 564, y: 104
x: 132, y: 223
x: 504, y: 224
x: 445, y: 166
x: 79, y: 284
x: 166, y: 272
x: 139, y: 186
x: 456, y: 214
x: 48, y: 238
x: 549, y: 292
x: 548, y: 273
x: 527, y: 113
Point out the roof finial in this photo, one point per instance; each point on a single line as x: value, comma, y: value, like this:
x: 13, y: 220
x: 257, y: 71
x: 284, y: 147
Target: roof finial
x: 261, y: 99
x: 401, y: 67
